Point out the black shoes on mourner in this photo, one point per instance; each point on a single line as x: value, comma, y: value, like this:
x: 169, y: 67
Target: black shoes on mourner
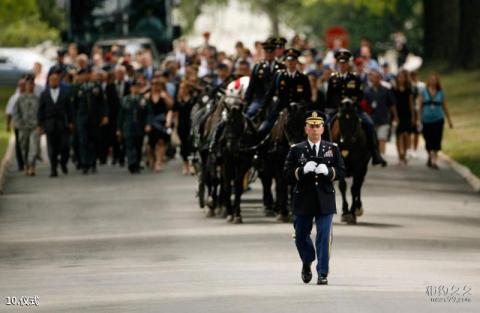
x: 378, y: 159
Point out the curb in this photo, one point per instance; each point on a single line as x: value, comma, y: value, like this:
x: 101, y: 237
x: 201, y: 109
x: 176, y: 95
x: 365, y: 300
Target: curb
x: 463, y: 171
x: 6, y: 161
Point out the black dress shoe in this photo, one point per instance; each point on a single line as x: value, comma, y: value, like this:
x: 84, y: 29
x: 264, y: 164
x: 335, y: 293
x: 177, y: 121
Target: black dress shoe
x: 322, y: 280
x: 54, y: 174
x: 283, y: 218
x: 378, y: 159
x: 269, y: 212
x: 306, y: 273
x: 64, y: 169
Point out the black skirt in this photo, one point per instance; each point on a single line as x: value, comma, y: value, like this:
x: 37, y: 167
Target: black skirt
x: 433, y: 132
x: 155, y: 135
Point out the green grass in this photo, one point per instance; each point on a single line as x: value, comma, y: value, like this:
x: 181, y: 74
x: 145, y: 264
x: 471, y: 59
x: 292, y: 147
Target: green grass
x: 5, y: 93
x: 462, y: 92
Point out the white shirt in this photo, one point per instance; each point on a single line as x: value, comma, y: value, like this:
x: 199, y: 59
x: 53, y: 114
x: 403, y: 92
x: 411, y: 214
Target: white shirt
x: 316, y: 146
x: 120, y: 85
x: 54, y: 92
x: 11, y: 102
x: 291, y: 74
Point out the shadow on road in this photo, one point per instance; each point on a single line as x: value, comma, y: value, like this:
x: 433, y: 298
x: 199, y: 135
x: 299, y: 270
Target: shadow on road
x: 370, y: 224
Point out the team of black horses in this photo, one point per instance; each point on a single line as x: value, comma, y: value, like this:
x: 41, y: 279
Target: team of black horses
x: 228, y: 151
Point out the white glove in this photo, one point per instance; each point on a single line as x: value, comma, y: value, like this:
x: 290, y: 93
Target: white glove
x: 321, y: 169
x: 309, y: 167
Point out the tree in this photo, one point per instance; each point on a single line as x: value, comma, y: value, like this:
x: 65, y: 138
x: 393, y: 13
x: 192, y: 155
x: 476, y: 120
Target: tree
x: 191, y: 9
x: 469, y: 37
x: 376, y: 20
x: 51, y: 14
x: 274, y: 9
x: 452, y: 33
x: 21, y: 24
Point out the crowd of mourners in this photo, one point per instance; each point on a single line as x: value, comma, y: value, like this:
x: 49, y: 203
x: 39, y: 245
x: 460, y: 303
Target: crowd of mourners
x: 115, y: 107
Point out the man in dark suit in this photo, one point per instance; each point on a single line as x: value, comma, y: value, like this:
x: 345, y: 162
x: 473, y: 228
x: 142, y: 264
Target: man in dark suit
x: 55, y: 119
x: 312, y: 166
x: 115, y: 91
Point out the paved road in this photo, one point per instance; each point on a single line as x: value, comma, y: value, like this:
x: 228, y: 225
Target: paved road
x: 112, y: 242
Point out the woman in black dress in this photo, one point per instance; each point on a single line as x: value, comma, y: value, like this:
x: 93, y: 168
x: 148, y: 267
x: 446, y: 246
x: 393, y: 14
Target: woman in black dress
x: 161, y: 104
x: 406, y: 114
x: 183, y: 107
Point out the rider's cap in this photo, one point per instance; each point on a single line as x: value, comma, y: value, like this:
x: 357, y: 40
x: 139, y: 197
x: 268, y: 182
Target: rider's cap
x: 280, y: 42
x: 292, y: 54
x: 342, y: 55
x: 268, y: 45
x: 314, y: 118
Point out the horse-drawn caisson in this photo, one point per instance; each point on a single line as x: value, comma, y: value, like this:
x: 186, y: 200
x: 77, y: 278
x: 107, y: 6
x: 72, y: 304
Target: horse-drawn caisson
x: 230, y: 142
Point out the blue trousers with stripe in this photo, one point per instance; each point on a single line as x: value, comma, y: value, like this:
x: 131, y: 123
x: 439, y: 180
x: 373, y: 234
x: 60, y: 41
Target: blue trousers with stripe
x: 323, y: 241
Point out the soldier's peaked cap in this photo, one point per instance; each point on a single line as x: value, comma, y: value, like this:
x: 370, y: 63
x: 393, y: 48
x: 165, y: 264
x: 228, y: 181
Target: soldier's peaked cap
x: 342, y: 55
x: 314, y: 118
x: 292, y: 54
x: 280, y: 42
x: 268, y: 45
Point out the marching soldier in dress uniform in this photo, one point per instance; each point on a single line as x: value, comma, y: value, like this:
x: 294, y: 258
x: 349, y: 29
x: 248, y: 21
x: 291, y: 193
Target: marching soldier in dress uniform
x: 133, y: 121
x: 261, y: 79
x: 346, y: 84
x: 312, y: 166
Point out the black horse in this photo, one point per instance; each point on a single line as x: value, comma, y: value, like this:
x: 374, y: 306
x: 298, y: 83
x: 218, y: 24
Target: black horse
x: 233, y: 142
x: 206, y: 165
x: 348, y: 133
x: 286, y: 131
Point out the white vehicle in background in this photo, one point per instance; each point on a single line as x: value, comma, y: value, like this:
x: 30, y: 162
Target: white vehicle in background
x: 15, y: 62
x: 132, y: 46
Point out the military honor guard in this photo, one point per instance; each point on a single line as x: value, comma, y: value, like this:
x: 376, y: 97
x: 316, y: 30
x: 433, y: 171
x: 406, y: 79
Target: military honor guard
x: 261, y: 79
x: 25, y: 119
x: 312, y: 166
x: 280, y: 43
x: 289, y: 85
x: 133, y: 121
x: 346, y: 84
x: 91, y: 112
